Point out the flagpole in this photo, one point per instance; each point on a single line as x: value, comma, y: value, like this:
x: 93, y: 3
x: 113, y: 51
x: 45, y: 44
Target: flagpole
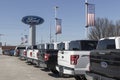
x: 56, y: 7
x: 86, y: 12
x: 50, y: 33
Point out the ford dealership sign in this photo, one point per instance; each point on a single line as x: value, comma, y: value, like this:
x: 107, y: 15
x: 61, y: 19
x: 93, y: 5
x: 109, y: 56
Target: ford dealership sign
x: 32, y: 20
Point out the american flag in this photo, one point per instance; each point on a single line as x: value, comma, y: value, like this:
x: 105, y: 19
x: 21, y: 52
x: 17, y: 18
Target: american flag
x: 58, y: 26
x: 91, y: 15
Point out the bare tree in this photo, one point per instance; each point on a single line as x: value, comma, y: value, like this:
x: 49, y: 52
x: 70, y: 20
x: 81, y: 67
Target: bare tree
x: 104, y: 28
x: 117, y: 29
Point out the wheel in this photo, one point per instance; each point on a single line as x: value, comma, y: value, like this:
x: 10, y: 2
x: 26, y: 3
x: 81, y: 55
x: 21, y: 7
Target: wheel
x: 61, y: 74
x: 81, y: 77
x: 27, y: 61
x: 77, y: 78
x: 54, y: 71
x: 37, y: 65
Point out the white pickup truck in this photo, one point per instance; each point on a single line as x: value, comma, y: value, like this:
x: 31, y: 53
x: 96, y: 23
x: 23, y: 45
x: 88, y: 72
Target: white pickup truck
x: 75, y: 61
x: 33, y: 53
x: 19, y: 51
x: 36, y: 53
x: 30, y: 53
x: 23, y: 53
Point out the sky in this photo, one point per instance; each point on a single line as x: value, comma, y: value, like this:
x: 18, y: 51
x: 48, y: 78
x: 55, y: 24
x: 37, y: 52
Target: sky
x: 72, y: 13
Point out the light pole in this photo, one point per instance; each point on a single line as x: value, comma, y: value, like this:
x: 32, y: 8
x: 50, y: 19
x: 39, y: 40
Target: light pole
x: 1, y: 36
x: 56, y: 7
x: 86, y: 20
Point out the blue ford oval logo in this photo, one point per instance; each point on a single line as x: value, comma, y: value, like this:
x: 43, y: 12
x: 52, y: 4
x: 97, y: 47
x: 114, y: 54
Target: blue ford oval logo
x: 104, y: 64
x: 32, y: 20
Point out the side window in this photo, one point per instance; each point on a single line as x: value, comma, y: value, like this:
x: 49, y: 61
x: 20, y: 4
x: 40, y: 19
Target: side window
x: 51, y: 46
x: 34, y: 47
x: 110, y: 46
x: 106, y: 44
x: 61, y: 46
x: 74, y: 45
x: 88, y: 45
x: 42, y: 46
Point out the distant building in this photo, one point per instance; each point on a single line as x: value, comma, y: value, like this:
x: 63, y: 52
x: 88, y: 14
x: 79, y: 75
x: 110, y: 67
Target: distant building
x: 2, y: 48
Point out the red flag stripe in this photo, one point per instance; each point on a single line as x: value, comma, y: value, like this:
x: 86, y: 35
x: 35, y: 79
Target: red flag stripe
x: 91, y: 15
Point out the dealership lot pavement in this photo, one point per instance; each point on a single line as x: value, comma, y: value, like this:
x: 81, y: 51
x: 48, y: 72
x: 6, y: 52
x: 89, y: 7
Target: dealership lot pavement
x: 11, y: 68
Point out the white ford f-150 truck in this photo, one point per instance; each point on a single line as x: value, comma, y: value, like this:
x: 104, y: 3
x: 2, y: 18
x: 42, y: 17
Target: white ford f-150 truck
x: 30, y: 53
x: 75, y: 61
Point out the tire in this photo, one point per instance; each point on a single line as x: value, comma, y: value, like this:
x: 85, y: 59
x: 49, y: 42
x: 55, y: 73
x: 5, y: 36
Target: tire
x: 61, y: 74
x: 81, y: 77
x: 27, y: 61
x: 37, y: 65
x: 54, y: 71
x: 77, y: 78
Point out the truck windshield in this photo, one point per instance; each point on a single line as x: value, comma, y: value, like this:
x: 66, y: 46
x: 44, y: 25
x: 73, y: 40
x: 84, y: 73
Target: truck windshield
x: 106, y: 44
x: 83, y: 45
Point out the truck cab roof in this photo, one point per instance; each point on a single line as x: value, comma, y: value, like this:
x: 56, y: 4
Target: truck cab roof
x: 83, y: 45
x: 109, y: 43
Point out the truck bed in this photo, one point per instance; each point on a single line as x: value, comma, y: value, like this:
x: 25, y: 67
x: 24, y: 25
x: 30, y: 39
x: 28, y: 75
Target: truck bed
x: 80, y: 63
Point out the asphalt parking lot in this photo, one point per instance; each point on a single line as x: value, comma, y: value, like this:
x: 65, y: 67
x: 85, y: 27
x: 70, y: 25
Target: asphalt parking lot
x: 11, y: 68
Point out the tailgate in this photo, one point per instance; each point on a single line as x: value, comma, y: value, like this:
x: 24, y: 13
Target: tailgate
x: 74, y: 59
x: 35, y: 54
x: 41, y: 55
x: 105, y: 63
x: 29, y: 53
x: 21, y: 52
x: 52, y: 55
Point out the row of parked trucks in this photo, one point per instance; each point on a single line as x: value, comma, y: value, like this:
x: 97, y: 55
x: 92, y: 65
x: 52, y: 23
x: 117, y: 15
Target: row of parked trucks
x: 82, y: 59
